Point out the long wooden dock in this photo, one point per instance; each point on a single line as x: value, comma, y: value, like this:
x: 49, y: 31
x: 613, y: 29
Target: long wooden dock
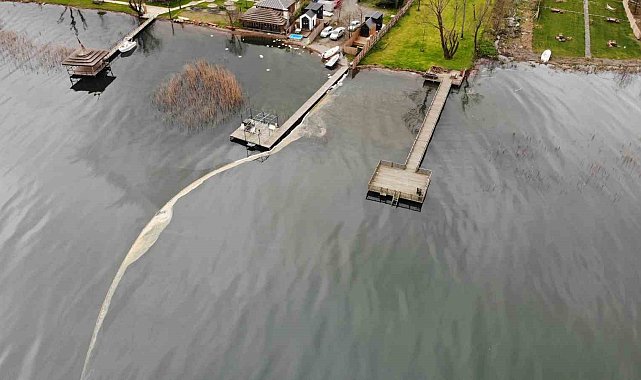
x: 409, y: 181
x: 265, y: 139
x: 419, y: 148
x: 114, y: 49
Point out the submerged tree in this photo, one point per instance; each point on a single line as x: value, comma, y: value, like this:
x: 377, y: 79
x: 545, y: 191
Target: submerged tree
x: 447, y: 33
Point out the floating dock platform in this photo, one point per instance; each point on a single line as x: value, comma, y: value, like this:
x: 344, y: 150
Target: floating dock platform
x: 409, y: 181
x: 267, y: 138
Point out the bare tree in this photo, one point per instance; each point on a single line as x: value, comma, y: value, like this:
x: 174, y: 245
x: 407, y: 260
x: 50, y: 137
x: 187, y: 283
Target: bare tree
x: 232, y: 13
x: 479, y: 19
x: 448, y: 34
x: 137, y: 6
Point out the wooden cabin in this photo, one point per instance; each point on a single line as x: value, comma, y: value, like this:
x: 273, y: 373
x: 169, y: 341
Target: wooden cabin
x: 368, y: 28
x: 377, y: 17
x: 307, y: 20
x: 269, y: 15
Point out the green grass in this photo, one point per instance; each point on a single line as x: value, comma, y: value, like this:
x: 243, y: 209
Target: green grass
x: 88, y: 4
x: 601, y: 31
x: 213, y: 18
x: 569, y: 24
x: 404, y: 47
x: 170, y: 4
x: 572, y: 24
x: 205, y: 16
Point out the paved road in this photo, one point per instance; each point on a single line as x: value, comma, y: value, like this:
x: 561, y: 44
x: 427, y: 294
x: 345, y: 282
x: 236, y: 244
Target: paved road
x: 586, y: 22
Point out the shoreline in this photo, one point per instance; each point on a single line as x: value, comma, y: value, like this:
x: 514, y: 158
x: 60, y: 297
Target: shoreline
x: 508, y: 50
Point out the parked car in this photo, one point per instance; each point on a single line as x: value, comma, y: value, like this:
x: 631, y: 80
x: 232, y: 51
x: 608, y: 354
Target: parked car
x: 337, y: 33
x: 354, y: 25
x: 328, y: 14
x: 326, y: 32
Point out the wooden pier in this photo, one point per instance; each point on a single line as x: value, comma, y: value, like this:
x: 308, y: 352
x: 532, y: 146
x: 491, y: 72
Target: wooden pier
x: 408, y: 181
x: 114, y: 49
x: 267, y: 138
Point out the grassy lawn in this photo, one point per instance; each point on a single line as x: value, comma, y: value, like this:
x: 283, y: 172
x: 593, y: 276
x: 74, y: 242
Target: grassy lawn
x: 572, y: 24
x: 601, y: 31
x: 88, y: 4
x: 213, y: 18
x: 201, y: 12
x: 170, y: 4
x: 405, y: 47
x: 569, y: 24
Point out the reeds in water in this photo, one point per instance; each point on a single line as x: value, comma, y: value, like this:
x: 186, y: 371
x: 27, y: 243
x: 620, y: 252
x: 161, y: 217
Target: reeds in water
x: 201, y: 95
x: 21, y: 50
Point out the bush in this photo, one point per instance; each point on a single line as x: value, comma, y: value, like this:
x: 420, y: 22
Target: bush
x: 486, y: 49
x: 202, y: 94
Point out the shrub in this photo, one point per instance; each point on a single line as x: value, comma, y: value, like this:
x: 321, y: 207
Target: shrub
x: 202, y: 94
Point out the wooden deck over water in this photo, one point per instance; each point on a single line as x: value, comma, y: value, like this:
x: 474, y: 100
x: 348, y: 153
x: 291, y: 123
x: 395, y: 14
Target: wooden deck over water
x: 408, y: 181
x: 266, y: 139
x: 114, y: 49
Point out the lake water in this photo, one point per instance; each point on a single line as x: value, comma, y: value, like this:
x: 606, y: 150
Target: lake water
x: 523, y: 262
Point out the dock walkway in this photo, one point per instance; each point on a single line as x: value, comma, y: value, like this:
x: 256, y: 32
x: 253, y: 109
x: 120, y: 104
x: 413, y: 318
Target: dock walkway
x: 419, y: 148
x: 265, y: 139
x: 409, y: 181
x: 114, y: 49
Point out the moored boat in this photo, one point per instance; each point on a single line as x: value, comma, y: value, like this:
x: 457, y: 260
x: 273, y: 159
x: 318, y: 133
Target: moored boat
x: 545, y: 57
x: 332, y: 61
x: 331, y: 52
x: 126, y: 45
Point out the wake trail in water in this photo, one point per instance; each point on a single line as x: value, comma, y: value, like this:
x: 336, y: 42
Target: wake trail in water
x: 157, y: 225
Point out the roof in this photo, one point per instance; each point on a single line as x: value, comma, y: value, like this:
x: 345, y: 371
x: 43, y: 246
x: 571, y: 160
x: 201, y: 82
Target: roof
x: 263, y: 15
x: 370, y: 23
x: 281, y: 5
x: 314, y: 6
x: 85, y: 57
x: 310, y: 13
x: 375, y: 15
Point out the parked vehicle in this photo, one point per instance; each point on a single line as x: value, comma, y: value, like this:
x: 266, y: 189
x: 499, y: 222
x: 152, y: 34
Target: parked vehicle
x: 326, y: 32
x: 328, y: 14
x: 337, y: 33
x: 355, y: 24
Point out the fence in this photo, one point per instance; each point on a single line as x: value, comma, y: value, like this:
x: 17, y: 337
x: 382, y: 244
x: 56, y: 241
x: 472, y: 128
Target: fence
x: 373, y: 40
x: 633, y: 23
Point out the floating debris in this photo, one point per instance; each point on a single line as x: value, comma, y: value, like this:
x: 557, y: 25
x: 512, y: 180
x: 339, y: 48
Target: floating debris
x: 267, y: 70
x: 261, y: 56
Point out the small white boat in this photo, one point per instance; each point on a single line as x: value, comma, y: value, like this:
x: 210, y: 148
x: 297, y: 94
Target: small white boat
x: 126, y: 45
x: 331, y: 52
x: 545, y: 57
x: 332, y: 61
